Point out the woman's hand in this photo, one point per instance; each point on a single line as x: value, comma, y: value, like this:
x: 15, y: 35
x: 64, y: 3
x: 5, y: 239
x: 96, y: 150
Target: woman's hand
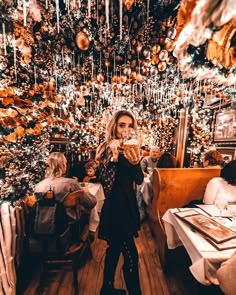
x: 114, y: 146
x: 132, y: 155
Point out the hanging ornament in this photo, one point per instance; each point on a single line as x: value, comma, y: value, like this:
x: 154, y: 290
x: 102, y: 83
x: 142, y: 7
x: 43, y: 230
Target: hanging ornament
x: 100, y: 77
x: 163, y: 54
x: 128, y: 4
x: 82, y: 41
x: 171, y: 33
x: 170, y: 45
x: 146, y: 52
x: 156, y: 49
x: 161, y: 66
x: 155, y: 60
x: 170, y: 60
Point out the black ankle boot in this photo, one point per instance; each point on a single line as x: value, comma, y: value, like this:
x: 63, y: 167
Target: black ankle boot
x: 112, y: 291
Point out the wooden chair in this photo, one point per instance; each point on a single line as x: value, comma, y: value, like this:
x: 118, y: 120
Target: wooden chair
x: 73, y: 249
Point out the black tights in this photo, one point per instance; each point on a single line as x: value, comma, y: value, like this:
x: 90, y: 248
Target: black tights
x: 130, y: 268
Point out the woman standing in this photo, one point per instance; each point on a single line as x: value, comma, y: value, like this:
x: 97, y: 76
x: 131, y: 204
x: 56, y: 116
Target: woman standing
x: 119, y: 224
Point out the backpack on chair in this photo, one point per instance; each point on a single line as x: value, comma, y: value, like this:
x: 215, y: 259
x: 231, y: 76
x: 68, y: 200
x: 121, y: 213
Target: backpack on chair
x: 48, y: 225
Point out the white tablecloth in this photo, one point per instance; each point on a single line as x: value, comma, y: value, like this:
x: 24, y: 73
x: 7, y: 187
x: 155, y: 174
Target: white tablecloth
x: 96, y: 189
x: 206, y: 259
x: 146, y: 190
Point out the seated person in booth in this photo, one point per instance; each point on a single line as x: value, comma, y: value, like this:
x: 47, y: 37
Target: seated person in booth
x: 166, y: 160
x: 144, y: 151
x: 223, y: 186
x: 60, y: 185
x: 150, y: 161
x: 91, y: 169
x: 212, y: 159
x: 226, y: 275
x: 148, y: 164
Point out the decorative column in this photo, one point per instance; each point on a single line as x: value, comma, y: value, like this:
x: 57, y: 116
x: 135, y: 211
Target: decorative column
x: 182, y: 136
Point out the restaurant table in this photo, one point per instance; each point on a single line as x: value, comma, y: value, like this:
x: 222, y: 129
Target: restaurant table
x: 96, y: 190
x: 206, y: 259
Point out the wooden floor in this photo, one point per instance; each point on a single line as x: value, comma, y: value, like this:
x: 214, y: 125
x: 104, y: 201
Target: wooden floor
x: 177, y: 280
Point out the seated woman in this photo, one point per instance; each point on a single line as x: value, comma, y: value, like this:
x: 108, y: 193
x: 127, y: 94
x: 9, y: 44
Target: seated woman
x: 212, y: 159
x: 62, y: 185
x: 223, y: 186
x: 90, y: 168
x: 166, y: 160
x: 226, y: 276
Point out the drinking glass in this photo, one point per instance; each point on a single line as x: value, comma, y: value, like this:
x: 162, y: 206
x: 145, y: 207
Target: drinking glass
x: 232, y: 211
x: 221, y: 203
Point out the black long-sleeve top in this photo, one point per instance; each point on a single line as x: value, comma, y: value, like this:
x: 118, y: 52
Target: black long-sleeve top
x: 120, y: 215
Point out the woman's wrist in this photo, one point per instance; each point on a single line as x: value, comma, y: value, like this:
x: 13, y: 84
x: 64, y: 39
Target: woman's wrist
x: 114, y: 159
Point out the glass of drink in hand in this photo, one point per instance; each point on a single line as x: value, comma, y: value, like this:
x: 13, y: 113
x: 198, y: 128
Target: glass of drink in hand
x: 222, y: 204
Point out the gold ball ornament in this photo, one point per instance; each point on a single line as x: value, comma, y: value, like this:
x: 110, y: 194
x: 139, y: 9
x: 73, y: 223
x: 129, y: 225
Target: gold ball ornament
x: 170, y: 60
x: 170, y: 45
x: 82, y: 41
x: 156, y: 49
x: 171, y: 33
x: 100, y: 78
x: 161, y: 66
x: 163, y: 55
x: 128, y: 4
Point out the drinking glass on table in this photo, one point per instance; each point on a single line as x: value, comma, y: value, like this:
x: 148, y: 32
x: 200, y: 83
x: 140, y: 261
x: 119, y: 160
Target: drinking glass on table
x: 232, y: 211
x: 221, y: 203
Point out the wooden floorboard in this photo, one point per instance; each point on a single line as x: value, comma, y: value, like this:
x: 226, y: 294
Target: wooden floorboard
x: 176, y: 280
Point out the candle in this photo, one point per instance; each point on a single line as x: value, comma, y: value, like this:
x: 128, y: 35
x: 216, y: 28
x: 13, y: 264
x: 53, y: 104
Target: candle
x: 58, y: 13
x: 89, y: 8
x: 114, y: 65
x: 4, y: 39
x: 47, y: 4
x: 92, y: 68
x: 121, y: 6
x: 62, y: 56
x: 24, y: 12
x: 97, y: 14
x: 56, y: 83
x: 14, y: 48
x: 107, y: 13
x: 35, y: 75
x: 148, y: 5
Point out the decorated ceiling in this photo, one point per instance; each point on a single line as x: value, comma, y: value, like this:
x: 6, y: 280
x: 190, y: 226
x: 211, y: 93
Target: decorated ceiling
x: 71, y: 62
x: 67, y: 65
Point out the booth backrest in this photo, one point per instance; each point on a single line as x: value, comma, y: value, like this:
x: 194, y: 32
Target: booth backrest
x: 175, y: 188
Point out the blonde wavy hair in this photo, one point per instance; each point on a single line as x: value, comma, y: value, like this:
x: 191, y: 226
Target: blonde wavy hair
x: 103, y: 153
x: 56, y: 165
